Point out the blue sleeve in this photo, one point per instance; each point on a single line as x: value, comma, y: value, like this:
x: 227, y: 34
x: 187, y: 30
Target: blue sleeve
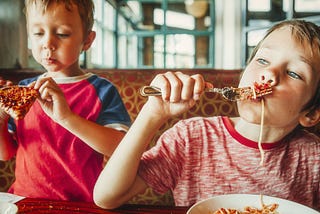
x: 113, y: 108
x: 28, y: 81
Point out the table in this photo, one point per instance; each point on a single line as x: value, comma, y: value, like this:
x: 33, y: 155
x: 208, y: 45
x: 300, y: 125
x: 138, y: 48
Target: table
x: 29, y: 205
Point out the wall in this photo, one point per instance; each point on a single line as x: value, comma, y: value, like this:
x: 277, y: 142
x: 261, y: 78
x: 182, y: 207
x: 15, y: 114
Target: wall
x: 13, y: 41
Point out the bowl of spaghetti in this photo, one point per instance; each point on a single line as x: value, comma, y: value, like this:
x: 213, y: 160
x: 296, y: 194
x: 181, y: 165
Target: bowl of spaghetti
x: 248, y: 204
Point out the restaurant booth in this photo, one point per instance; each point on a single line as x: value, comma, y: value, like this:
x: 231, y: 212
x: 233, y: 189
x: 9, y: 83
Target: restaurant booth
x: 128, y: 82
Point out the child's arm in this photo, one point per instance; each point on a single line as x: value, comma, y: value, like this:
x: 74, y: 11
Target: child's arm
x: 119, y: 181
x: 53, y: 102
x: 93, y: 134
x: 8, y: 146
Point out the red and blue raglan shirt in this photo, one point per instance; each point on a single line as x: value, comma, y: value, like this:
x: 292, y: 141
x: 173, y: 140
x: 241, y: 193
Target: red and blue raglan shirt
x: 51, y: 162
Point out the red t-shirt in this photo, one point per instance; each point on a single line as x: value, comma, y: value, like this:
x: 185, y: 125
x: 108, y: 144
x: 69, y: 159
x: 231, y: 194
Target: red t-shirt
x: 53, y: 163
x: 202, y: 157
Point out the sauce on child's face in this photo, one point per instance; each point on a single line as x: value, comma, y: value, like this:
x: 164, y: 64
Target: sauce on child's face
x: 292, y: 69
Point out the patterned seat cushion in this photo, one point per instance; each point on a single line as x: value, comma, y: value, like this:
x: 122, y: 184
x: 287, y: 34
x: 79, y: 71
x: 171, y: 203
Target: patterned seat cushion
x: 129, y: 83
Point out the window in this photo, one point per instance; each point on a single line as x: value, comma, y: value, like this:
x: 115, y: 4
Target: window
x: 176, y: 50
x: 260, y: 15
x: 102, y: 52
x: 153, y: 34
x: 164, y: 35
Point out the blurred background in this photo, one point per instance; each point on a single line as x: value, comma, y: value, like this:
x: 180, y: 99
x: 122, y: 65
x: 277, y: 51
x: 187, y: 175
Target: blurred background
x: 139, y: 34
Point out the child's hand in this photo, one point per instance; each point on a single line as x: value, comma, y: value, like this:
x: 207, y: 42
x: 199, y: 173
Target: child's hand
x: 4, y: 82
x: 179, y: 93
x: 3, y: 115
x: 52, y: 99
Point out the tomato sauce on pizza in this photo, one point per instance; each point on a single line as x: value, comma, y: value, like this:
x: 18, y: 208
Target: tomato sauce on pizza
x: 17, y: 100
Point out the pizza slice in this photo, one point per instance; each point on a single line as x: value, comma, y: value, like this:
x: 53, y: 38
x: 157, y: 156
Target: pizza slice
x: 17, y: 100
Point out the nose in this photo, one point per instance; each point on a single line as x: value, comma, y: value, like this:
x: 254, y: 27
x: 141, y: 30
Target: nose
x: 269, y: 76
x: 49, y: 43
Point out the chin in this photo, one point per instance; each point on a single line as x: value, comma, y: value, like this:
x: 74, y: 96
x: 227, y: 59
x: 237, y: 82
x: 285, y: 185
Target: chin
x: 251, y: 105
x: 250, y: 115
x: 252, y: 120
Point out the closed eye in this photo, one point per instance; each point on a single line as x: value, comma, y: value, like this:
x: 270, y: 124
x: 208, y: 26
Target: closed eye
x: 62, y: 35
x: 37, y: 34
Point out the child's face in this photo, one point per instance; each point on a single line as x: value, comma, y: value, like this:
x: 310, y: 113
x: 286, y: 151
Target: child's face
x: 293, y: 70
x: 56, y: 36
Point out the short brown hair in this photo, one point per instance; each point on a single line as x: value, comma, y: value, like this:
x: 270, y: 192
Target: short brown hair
x: 85, y: 7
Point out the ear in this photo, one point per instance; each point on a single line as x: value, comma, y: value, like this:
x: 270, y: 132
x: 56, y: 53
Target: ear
x: 89, y: 40
x: 310, y: 118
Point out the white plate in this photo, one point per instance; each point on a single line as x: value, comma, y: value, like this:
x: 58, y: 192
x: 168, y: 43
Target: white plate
x: 239, y: 201
x: 8, y: 208
x: 11, y: 198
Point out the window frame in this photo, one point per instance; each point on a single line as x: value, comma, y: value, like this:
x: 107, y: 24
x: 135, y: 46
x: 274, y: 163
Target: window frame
x: 275, y: 15
x: 163, y: 30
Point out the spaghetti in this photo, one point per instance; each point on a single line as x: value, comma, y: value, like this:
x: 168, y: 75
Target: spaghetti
x: 261, y: 133
x: 266, y: 209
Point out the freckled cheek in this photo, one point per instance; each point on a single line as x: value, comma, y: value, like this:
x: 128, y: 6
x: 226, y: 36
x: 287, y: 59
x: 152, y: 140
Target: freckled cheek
x: 290, y: 107
x: 300, y: 101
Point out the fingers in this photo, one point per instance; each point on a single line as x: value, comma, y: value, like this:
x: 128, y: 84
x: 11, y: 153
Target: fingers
x: 199, y: 86
x: 176, y: 86
x: 32, y: 84
x: 41, y: 82
x: 46, y: 86
x: 4, y: 82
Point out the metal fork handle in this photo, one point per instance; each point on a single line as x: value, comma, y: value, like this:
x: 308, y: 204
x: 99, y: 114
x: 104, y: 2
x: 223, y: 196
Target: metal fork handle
x: 229, y: 93
x: 155, y: 91
x: 150, y: 91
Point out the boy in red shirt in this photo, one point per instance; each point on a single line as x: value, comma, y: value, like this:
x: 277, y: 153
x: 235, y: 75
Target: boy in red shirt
x: 79, y: 117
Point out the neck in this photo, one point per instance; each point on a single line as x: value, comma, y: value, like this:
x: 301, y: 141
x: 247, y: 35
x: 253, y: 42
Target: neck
x: 252, y: 131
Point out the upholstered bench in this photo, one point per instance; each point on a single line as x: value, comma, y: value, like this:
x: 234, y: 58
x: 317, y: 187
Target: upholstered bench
x: 128, y: 84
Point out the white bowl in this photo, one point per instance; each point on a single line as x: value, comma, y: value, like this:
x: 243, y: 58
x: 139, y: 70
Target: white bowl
x: 8, y: 208
x: 240, y: 201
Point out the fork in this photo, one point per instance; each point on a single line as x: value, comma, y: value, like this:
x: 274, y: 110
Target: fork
x: 229, y: 93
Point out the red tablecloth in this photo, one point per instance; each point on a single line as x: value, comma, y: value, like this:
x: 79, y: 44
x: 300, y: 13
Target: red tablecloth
x: 39, y: 206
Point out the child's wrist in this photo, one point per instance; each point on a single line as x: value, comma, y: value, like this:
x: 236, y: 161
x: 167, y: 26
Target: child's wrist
x: 148, y: 112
